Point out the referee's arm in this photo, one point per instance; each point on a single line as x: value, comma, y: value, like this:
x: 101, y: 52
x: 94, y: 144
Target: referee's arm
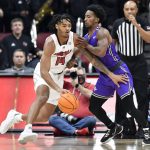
x: 144, y: 34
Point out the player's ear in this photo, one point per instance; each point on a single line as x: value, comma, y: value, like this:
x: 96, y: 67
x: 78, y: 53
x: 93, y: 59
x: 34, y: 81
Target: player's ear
x: 56, y: 26
x: 97, y: 20
x: 137, y: 10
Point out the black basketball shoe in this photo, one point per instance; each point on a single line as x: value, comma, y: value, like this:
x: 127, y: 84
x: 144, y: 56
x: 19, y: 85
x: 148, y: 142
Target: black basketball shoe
x: 112, y: 133
x: 146, y: 140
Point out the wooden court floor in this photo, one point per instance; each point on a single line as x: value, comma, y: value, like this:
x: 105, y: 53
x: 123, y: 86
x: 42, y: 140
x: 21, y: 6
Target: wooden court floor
x: 49, y: 142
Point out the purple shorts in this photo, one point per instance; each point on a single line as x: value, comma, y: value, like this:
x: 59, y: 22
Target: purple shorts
x: 105, y: 87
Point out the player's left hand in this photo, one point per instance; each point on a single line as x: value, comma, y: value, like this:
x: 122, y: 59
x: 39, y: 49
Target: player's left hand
x: 119, y: 79
x: 82, y: 42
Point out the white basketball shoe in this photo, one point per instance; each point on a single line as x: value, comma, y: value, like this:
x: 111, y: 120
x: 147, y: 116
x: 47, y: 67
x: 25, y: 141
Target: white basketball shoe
x: 10, y: 120
x: 27, y: 135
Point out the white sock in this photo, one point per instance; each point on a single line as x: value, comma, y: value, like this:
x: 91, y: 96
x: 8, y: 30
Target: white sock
x: 28, y: 127
x: 19, y: 117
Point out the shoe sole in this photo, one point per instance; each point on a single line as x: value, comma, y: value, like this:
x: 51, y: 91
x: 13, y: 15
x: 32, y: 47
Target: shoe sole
x: 10, y: 117
x: 26, y: 139
x: 144, y: 144
x: 112, y: 137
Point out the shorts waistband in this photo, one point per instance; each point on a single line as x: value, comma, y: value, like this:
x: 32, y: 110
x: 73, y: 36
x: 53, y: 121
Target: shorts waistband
x: 119, y: 63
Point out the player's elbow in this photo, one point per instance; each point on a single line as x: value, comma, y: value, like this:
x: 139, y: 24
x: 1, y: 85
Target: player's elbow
x: 43, y: 73
x: 102, y: 54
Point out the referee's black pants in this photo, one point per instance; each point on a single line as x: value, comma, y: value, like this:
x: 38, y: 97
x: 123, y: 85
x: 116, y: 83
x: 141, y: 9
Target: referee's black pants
x: 138, y: 68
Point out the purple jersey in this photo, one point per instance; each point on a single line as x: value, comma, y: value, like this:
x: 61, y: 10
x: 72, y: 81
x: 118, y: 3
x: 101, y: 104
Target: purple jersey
x: 104, y: 87
x: 111, y: 58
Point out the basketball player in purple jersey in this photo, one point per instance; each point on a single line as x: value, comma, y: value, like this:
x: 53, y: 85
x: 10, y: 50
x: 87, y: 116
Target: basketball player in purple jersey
x: 98, y: 41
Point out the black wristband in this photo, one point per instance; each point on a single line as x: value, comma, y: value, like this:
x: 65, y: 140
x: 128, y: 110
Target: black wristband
x: 77, y: 85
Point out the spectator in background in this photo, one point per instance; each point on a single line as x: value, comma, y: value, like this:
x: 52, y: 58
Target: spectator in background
x: 130, y: 33
x: 19, y: 59
x: 66, y: 124
x: 81, y: 122
x: 17, y: 40
x: 44, y: 14
x: 24, y: 9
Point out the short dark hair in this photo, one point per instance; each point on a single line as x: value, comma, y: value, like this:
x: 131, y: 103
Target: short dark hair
x: 19, y: 50
x: 98, y: 11
x: 58, y: 18
x: 133, y: 2
x: 16, y: 20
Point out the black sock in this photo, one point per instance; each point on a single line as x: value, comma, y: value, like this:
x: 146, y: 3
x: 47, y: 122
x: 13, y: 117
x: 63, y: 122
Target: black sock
x: 96, y: 108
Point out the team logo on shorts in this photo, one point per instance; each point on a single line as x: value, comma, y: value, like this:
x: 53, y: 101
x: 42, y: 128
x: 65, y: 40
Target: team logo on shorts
x: 95, y: 89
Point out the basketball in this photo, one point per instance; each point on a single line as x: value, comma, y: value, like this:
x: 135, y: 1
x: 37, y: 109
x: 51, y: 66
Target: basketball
x: 68, y: 103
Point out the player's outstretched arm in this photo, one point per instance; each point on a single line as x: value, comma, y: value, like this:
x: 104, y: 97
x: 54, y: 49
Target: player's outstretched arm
x: 97, y: 63
x: 100, y: 66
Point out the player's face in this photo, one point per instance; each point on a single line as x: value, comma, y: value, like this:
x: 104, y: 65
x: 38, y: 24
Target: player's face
x: 17, y: 27
x: 90, y: 19
x: 63, y: 28
x: 130, y: 8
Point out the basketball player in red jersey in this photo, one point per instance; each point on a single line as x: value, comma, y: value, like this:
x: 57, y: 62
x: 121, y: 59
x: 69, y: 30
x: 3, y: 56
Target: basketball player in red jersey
x: 49, y: 76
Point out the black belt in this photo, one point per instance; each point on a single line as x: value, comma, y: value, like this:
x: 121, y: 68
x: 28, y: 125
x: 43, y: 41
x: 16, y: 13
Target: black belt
x: 119, y: 63
x: 131, y: 58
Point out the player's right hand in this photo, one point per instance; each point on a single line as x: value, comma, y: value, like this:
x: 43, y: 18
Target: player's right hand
x: 63, y: 91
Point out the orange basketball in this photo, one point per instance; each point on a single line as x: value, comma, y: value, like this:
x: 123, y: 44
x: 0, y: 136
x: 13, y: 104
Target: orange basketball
x: 68, y: 103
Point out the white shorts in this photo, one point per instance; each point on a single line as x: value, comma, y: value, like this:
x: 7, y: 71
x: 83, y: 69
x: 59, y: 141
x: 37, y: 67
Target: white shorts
x: 58, y: 79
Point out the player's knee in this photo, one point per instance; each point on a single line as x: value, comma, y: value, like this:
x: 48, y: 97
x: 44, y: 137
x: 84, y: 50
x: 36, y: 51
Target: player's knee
x: 128, y: 104
x: 43, y: 119
x: 92, y: 104
x: 42, y: 99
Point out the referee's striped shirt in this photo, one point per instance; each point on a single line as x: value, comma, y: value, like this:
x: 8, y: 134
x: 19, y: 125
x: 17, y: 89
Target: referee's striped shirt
x: 129, y: 40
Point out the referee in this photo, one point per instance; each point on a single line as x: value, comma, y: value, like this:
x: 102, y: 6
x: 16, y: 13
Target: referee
x: 129, y: 34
